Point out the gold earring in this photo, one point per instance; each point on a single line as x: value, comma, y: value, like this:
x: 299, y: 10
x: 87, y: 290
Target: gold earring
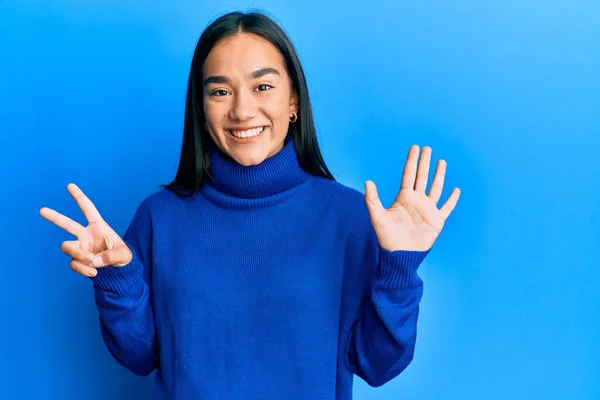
x: 294, y: 117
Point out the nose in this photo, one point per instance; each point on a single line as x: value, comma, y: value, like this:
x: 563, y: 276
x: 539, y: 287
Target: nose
x: 243, y: 107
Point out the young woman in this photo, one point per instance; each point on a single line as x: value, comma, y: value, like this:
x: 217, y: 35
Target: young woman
x: 254, y: 274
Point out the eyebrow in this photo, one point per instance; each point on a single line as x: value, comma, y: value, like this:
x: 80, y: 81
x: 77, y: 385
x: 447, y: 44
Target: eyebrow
x: 254, y: 75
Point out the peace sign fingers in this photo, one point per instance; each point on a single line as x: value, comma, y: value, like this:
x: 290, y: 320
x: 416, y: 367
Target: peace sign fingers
x: 85, y: 204
x: 87, y: 207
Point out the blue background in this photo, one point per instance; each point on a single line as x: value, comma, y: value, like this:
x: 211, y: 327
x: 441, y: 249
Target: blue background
x: 507, y: 92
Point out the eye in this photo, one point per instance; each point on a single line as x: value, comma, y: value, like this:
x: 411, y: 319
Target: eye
x: 263, y: 87
x: 218, y: 93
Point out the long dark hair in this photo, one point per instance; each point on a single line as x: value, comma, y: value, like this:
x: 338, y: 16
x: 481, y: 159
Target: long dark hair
x: 194, y: 164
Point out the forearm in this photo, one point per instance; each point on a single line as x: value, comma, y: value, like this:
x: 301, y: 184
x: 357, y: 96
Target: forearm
x: 381, y: 341
x: 126, y: 316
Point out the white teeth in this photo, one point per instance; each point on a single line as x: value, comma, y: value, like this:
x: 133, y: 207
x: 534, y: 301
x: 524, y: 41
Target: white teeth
x: 248, y: 133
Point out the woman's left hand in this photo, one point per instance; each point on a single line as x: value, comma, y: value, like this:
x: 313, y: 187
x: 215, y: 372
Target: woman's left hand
x: 413, y: 221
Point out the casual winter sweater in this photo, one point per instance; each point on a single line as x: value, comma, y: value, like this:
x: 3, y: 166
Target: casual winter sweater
x: 267, y: 283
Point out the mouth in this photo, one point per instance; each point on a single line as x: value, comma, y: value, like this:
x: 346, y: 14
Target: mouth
x: 246, y: 134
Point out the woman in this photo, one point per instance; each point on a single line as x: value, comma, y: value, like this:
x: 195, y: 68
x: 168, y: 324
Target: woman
x: 254, y: 274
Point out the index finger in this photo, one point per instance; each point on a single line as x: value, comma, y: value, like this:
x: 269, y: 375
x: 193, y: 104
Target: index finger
x: 85, y: 204
x: 62, y: 221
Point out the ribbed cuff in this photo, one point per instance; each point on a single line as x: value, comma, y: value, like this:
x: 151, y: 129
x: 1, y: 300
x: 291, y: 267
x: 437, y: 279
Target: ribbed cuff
x: 119, y: 279
x: 398, y: 269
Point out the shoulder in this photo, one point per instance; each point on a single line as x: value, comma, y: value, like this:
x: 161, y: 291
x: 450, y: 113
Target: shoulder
x: 159, y: 202
x: 348, y: 201
x: 337, y: 189
x: 347, y: 208
x: 160, y: 196
x: 359, y: 243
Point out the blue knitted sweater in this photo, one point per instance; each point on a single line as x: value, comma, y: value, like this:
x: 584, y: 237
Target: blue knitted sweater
x: 267, y: 283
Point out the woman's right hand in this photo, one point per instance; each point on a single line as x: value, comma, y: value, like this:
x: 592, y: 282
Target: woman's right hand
x: 97, y: 244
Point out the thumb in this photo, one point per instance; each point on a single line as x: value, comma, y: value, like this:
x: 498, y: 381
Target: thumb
x: 118, y: 257
x: 372, y: 201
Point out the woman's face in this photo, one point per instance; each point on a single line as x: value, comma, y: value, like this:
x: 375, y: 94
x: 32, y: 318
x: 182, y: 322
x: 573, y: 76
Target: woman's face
x: 247, y: 98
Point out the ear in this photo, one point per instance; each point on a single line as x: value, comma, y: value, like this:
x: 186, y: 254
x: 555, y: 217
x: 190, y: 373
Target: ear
x: 294, y: 101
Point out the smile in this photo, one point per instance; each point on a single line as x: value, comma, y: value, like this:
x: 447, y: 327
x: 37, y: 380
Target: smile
x: 247, y: 133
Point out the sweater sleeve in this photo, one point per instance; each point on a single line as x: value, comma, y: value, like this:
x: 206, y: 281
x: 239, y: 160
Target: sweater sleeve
x: 123, y: 299
x: 381, y: 341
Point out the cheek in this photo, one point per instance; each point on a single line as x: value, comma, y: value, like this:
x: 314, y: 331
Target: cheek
x: 209, y: 107
x: 278, y: 108
x: 215, y: 112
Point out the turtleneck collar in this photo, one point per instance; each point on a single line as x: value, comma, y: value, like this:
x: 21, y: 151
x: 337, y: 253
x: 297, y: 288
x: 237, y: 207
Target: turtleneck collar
x: 275, y: 175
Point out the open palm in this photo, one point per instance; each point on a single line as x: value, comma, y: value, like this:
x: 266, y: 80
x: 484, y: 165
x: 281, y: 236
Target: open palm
x: 413, y: 221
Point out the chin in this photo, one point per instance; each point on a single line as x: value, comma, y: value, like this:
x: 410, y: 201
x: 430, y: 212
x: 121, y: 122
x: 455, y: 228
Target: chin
x: 253, y: 154
x: 249, y: 163
x: 249, y: 159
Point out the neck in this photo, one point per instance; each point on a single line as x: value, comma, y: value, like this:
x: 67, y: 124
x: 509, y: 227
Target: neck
x: 277, y: 175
